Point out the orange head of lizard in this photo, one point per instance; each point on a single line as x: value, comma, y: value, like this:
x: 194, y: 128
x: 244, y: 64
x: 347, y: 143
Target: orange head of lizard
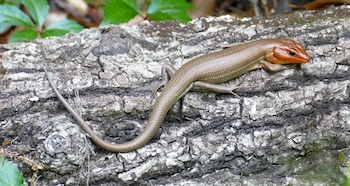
x: 288, y: 52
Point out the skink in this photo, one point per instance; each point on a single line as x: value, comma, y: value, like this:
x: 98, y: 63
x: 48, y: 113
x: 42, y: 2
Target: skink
x: 204, y: 72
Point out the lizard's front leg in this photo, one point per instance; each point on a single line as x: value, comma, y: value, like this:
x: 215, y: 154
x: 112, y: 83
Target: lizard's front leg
x: 274, y: 67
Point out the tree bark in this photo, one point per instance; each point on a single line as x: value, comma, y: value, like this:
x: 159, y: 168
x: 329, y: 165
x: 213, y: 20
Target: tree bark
x: 292, y: 127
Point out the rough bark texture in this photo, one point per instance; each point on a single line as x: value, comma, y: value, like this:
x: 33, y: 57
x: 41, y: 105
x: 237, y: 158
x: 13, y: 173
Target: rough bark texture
x: 292, y: 128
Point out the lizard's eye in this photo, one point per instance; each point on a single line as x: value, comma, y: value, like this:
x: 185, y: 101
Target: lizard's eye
x: 291, y: 53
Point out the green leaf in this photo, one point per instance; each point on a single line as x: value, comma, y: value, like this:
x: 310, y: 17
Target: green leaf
x: 169, y: 10
x: 120, y: 11
x: 38, y: 9
x: 23, y: 35
x: 62, y: 27
x: 12, y: 15
x: 3, y: 27
x: 9, y: 174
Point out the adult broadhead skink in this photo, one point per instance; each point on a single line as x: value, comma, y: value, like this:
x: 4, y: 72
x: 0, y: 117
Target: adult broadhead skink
x: 205, y: 72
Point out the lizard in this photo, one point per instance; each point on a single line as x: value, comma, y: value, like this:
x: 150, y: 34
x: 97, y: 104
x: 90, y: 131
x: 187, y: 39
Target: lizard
x: 206, y: 73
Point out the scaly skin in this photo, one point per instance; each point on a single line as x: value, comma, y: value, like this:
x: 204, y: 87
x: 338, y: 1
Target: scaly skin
x: 205, y: 72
